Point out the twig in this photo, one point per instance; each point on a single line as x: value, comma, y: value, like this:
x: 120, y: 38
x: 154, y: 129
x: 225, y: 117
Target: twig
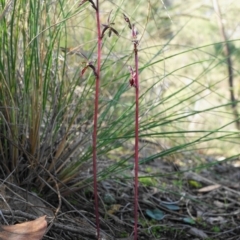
x: 227, y: 54
x: 58, y: 194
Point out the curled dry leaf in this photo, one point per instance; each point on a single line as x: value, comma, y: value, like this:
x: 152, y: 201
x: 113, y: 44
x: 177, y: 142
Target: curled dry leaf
x: 31, y: 230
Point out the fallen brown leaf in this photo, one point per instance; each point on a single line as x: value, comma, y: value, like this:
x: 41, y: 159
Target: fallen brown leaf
x: 31, y: 230
x: 114, y: 208
x: 209, y: 188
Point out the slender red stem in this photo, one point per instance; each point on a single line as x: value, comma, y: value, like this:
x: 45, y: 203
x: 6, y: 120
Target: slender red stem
x: 134, y: 82
x: 96, y: 120
x: 136, y: 144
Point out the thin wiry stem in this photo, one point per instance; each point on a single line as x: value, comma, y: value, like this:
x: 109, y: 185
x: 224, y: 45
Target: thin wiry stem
x: 136, y: 136
x: 136, y: 147
x: 96, y: 120
x: 134, y: 82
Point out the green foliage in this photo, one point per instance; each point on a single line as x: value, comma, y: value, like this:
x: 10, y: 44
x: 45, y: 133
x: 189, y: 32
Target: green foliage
x: 171, y: 206
x: 194, y: 184
x: 155, y: 214
x: 216, y: 229
x: 148, y: 181
x: 123, y: 235
x: 188, y: 220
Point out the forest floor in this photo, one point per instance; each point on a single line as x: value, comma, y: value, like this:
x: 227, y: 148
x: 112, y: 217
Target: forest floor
x: 175, y: 204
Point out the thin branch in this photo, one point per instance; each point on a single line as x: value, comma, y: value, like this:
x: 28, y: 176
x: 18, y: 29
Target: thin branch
x: 227, y: 54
